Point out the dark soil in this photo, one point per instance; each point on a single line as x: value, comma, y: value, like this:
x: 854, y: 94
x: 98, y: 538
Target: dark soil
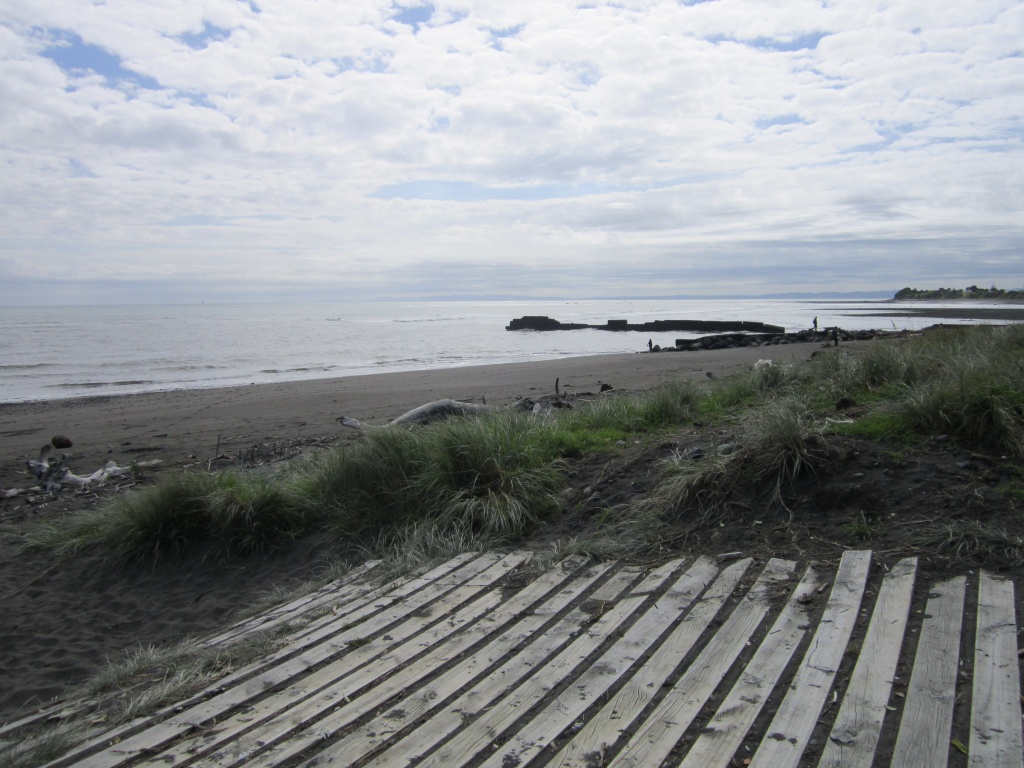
x: 897, y: 500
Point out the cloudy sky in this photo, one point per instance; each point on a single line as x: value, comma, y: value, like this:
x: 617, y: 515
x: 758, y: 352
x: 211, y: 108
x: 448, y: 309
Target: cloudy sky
x: 165, y: 150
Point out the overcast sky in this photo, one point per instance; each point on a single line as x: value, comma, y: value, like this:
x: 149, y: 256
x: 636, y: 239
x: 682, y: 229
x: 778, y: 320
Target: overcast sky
x: 165, y: 150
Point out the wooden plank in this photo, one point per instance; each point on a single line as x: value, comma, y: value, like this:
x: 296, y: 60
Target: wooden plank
x: 416, y: 703
x: 450, y: 573
x: 346, y: 588
x: 535, y: 658
x: 561, y: 713
x: 604, y: 728
x: 995, y: 705
x: 737, y: 712
x: 365, y: 605
x: 799, y: 712
x: 501, y: 714
x: 658, y: 734
x: 166, y: 730
x: 349, y: 705
x: 855, y: 733
x: 307, y: 696
x: 927, y: 721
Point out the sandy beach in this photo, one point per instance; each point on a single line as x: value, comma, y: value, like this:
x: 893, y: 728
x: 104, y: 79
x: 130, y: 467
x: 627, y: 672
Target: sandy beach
x: 174, y: 426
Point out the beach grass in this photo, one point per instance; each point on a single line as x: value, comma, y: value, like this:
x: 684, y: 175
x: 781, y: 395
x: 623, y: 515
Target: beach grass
x: 493, y: 480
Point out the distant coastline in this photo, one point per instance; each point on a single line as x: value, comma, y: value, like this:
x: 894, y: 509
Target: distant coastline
x: 970, y: 293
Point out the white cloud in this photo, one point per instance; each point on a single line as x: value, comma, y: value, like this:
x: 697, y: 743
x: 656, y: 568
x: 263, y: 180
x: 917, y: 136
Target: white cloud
x: 522, y: 143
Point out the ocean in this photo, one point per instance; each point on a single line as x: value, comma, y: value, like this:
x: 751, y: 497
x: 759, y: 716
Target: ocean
x: 75, y: 351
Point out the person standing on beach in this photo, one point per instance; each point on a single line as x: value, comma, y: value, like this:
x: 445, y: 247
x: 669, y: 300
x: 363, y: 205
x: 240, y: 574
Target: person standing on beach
x: 815, y: 323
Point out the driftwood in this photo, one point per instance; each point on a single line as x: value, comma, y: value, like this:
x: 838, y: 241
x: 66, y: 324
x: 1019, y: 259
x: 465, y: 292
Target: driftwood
x: 54, y: 475
x: 446, y: 409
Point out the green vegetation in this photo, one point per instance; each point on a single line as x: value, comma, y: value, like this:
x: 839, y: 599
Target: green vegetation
x: 414, y: 494
x: 970, y: 292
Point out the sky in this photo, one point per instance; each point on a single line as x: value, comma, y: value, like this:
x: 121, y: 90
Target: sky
x: 181, y: 150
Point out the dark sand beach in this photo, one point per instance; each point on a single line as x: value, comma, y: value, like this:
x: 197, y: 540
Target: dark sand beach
x: 61, y: 620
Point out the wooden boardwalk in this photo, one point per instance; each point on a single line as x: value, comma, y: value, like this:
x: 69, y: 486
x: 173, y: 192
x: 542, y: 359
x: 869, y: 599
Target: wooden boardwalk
x: 485, y: 662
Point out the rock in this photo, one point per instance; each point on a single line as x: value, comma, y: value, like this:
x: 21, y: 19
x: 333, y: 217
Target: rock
x: 60, y: 441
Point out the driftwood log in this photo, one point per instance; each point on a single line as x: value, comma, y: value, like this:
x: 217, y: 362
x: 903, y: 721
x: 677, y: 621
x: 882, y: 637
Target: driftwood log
x: 55, y: 474
x: 440, y: 410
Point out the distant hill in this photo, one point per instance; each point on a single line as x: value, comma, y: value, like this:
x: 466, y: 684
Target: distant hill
x: 952, y: 294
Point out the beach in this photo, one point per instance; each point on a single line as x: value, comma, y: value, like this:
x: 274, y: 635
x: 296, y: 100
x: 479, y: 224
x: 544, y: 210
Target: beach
x: 179, y: 426
x: 63, y: 619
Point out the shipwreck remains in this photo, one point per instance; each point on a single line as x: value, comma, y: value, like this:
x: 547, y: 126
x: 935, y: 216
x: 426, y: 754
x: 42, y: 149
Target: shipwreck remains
x: 542, y: 323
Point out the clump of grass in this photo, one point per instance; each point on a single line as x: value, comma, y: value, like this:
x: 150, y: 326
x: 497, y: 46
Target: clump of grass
x: 479, y: 474
x: 862, y: 527
x: 42, y: 747
x: 778, y: 449
x: 978, y: 543
x: 422, y: 545
x: 671, y: 404
x: 692, y: 493
x: 781, y: 446
x: 232, y: 515
x: 135, y: 684
x: 978, y: 408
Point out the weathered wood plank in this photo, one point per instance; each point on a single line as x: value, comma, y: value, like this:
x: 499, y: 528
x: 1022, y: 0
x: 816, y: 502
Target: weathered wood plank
x: 924, y: 735
x: 394, y: 674
x: 346, y: 677
x: 995, y: 704
x: 479, y: 701
x: 798, y: 714
x: 657, y: 736
x: 223, y: 701
x: 348, y: 587
x: 419, y: 702
x: 605, y: 671
x: 737, y: 712
x: 858, y: 725
x: 605, y: 727
x: 502, y: 713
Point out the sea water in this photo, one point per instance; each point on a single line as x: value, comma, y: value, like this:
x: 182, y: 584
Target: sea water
x: 58, y: 352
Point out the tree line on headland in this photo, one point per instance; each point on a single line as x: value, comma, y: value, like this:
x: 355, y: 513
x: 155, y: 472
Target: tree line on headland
x: 970, y: 292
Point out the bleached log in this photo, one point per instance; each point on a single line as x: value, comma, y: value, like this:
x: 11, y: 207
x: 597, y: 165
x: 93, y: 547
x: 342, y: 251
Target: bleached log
x: 56, y: 474
x: 444, y: 409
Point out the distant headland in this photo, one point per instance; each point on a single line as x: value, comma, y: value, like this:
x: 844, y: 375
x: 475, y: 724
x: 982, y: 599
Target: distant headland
x: 971, y: 292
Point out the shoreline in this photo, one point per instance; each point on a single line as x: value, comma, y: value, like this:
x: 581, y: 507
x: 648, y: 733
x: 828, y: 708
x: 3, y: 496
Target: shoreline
x: 189, y: 424
x: 176, y: 426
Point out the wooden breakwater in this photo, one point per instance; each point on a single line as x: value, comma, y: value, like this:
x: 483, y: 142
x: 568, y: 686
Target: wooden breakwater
x: 543, y: 323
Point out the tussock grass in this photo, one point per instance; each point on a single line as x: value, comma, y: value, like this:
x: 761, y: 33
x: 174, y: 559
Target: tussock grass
x: 976, y: 542
x: 231, y: 514
x: 483, y: 475
x: 421, y: 546
x: 42, y: 747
